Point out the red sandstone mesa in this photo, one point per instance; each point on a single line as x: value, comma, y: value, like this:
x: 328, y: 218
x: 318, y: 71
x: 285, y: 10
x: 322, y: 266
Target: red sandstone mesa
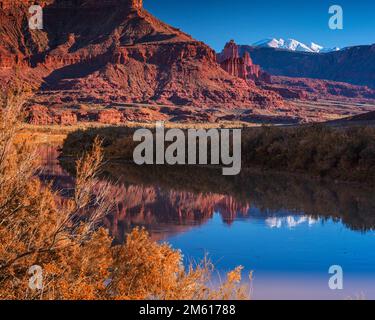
x: 113, y: 53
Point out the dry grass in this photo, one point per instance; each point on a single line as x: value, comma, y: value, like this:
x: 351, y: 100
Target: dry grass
x: 56, y: 134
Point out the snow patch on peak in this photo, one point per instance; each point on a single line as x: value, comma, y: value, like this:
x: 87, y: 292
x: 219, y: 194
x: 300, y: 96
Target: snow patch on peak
x: 295, y: 45
x: 316, y: 47
x: 269, y: 42
x: 292, y: 45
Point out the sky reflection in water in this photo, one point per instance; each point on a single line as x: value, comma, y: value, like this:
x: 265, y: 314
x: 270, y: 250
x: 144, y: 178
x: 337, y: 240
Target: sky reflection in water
x: 301, y: 229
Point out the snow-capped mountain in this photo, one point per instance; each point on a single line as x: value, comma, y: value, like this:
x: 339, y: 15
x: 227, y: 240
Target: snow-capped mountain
x: 293, y: 45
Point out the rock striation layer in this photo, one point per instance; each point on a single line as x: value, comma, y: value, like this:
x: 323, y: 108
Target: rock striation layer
x: 113, y: 53
x: 241, y: 67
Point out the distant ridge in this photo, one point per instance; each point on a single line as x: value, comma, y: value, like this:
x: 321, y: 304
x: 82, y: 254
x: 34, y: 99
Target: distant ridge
x: 355, y: 65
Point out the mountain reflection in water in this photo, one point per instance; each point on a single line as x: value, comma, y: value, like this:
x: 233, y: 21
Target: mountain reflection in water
x: 169, y: 200
x: 288, y: 229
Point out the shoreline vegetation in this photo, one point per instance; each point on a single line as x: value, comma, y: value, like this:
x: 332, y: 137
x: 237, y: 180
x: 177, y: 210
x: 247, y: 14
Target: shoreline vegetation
x: 345, y: 154
x: 77, y: 256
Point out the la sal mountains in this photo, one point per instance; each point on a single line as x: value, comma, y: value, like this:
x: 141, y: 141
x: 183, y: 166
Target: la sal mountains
x: 355, y: 65
x: 293, y: 45
x: 293, y: 58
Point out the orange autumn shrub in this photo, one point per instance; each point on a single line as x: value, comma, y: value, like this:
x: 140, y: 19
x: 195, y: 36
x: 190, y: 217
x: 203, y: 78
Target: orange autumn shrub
x: 65, y: 239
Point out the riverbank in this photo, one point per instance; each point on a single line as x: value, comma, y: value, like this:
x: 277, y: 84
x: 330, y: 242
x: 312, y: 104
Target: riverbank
x: 55, y: 134
x: 343, y: 154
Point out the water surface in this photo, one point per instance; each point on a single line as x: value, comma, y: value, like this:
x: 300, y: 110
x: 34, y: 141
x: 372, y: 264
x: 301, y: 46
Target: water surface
x: 287, y: 229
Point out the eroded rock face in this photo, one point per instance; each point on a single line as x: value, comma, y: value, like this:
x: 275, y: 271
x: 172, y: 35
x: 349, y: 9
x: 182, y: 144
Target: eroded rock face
x: 113, y: 53
x: 110, y: 117
x: 40, y: 115
x: 230, y: 51
x: 241, y: 67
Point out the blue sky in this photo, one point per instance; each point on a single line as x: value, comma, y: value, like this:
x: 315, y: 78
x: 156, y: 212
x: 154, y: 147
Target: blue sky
x: 246, y: 21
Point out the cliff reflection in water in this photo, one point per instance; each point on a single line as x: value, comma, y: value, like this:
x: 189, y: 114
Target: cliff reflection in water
x: 170, y: 200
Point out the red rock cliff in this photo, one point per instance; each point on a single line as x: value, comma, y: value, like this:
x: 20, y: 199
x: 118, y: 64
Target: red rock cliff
x: 241, y: 67
x: 107, y: 54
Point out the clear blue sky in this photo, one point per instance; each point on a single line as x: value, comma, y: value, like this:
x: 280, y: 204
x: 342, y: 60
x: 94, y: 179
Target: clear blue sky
x: 246, y: 21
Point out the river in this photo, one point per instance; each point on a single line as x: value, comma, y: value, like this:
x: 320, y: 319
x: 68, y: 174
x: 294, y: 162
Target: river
x: 287, y: 229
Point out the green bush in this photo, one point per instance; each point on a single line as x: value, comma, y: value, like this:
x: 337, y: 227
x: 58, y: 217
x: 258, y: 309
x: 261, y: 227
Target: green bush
x: 344, y: 154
